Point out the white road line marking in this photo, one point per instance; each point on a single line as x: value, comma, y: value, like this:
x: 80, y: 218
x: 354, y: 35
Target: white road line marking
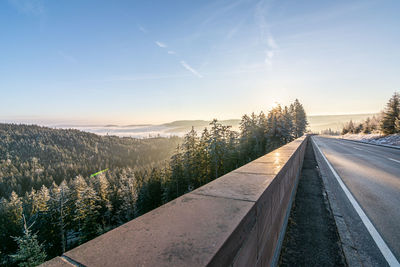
x: 390, y: 258
x: 357, y: 148
x: 395, y: 160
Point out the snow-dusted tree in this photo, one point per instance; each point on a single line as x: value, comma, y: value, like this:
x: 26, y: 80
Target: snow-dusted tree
x: 233, y: 149
x: 263, y: 129
x: 252, y: 136
x: 190, y: 160
x: 174, y: 187
x: 203, y: 155
x: 217, y: 146
x: 348, y: 127
x: 85, y: 209
x: 102, y: 188
x: 127, y: 192
x: 299, y: 118
x: 366, y: 126
x: 276, y: 128
x: 287, y: 125
x: 245, y: 138
x: 151, y: 193
x: 15, y: 208
x: 10, y: 222
x: 256, y: 136
x: 374, y: 123
x: 397, y: 125
x: 391, y: 115
x: 59, y: 216
x: 40, y: 199
x: 40, y: 213
x: 30, y: 252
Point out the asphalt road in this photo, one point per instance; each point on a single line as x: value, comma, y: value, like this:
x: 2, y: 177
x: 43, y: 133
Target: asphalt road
x: 372, y: 174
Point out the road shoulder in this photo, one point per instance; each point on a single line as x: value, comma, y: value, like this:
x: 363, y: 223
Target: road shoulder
x: 311, y: 237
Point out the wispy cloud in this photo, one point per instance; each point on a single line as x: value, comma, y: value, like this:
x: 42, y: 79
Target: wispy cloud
x: 170, y: 52
x: 269, y: 54
x: 266, y: 38
x: 232, y: 32
x: 189, y: 68
x: 160, y: 44
x: 67, y: 57
x: 142, y: 29
x: 29, y: 7
x: 143, y: 77
x: 271, y: 42
x: 219, y: 8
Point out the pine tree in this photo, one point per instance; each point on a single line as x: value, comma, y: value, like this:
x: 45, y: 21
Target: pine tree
x: 60, y: 217
x: 233, y: 156
x: 263, y: 129
x: 276, y: 128
x: 204, y: 157
x: 287, y: 125
x: 15, y: 208
x: 391, y: 115
x: 374, y: 124
x: 217, y: 147
x: 85, y: 209
x: 40, y: 200
x: 10, y: 222
x: 190, y: 160
x: 397, y: 125
x: 30, y: 252
x: 366, y: 128
x: 41, y: 215
x: 358, y: 128
x: 299, y: 118
x: 348, y: 127
x: 245, y: 138
x: 256, y: 149
x: 151, y: 192
x: 102, y: 188
x: 54, y: 217
x: 127, y: 195
x: 174, y: 186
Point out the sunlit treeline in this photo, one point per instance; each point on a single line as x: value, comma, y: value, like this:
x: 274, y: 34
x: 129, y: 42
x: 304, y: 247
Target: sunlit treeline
x: 388, y: 121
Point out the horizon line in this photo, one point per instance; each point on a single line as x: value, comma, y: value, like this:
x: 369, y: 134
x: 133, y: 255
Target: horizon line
x: 91, y: 123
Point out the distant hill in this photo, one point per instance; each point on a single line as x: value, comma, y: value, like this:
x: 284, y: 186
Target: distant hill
x: 190, y: 123
x: 184, y: 126
x: 316, y: 123
x: 31, y: 155
x: 334, y: 122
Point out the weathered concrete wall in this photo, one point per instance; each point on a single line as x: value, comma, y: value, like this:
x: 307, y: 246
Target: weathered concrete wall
x: 237, y: 219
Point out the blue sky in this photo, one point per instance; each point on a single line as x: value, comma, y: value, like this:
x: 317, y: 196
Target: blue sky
x: 157, y: 61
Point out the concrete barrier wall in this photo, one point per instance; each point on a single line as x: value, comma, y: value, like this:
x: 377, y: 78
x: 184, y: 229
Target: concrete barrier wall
x: 238, y: 219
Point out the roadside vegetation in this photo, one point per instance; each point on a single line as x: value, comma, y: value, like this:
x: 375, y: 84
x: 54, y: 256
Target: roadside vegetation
x: 329, y: 131
x: 50, y: 203
x: 388, y: 122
